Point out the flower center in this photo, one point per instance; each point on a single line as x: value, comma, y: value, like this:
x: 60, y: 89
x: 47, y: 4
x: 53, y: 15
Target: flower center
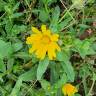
x: 45, y: 39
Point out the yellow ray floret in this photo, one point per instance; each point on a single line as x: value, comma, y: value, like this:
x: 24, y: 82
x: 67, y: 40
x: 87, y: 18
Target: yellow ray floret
x: 43, y: 43
x: 69, y: 90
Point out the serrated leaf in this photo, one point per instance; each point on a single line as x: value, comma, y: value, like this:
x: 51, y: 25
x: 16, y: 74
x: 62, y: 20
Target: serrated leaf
x: 42, y: 68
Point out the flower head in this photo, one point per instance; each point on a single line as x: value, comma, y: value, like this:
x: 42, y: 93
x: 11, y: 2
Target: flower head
x: 69, y: 90
x: 43, y: 42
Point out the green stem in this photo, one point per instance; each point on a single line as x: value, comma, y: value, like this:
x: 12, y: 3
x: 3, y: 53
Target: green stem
x: 46, y: 8
x: 89, y: 93
x: 67, y: 11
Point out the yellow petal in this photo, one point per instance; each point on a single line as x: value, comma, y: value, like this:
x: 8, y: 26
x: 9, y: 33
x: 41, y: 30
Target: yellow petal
x: 43, y: 53
x: 36, y: 37
x: 75, y: 89
x: 29, y: 40
x: 38, y: 53
x: 43, y: 28
x: 51, y: 53
x: 69, y: 89
x: 64, y: 90
x: 31, y: 50
x: 54, y: 37
x: 35, y: 30
x: 58, y: 48
x: 51, y: 50
x: 34, y: 48
x: 33, y: 38
x: 55, y: 46
x: 47, y: 33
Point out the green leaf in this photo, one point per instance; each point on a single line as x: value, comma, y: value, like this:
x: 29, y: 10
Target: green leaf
x: 23, y: 55
x: 54, y: 76
x: 90, y: 1
x: 42, y: 68
x: 64, y: 23
x: 16, y: 15
x: 55, y: 18
x: 17, y: 46
x: 78, y: 4
x: 8, y: 27
x: 27, y: 76
x: 2, y: 66
x: 48, y: 2
x: 8, y: 9
x: 43, y: 1
x: 94, y: 46
x: 16, y: 89
x: 94, y: 76
x: 55, y: 15
x: 18, y: 29
x: 84, y: 26
x: 16, y: 6
x: 5, y: 49
x: 45, y: 84
x: 69, y: 70
x: 30, y: 75
x: 59, y: 83
x: 10, y: 63
x: 77, y: 94
x: 43, y: 15
x: 2, y: 4
x: 83, y: 47
x: 62, y: 56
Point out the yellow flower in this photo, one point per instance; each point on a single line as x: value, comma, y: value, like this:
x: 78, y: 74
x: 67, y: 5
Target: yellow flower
x: 69, y: 90
x: 43, y: 42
